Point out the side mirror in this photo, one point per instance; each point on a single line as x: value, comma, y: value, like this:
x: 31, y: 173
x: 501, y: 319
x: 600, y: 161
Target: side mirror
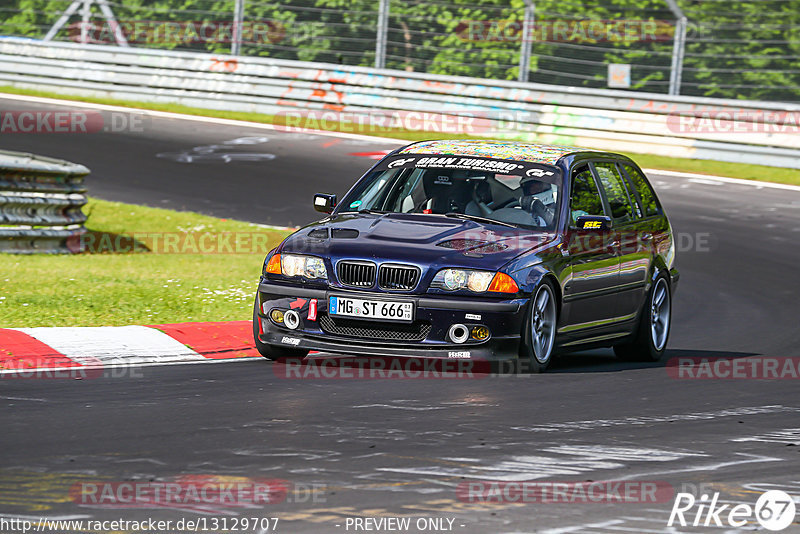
x: 324, y: 202
x: 593, y: 222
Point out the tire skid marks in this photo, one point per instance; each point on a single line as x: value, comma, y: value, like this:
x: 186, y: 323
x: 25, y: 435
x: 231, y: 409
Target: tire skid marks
x: 560, y: 461
x: 786, y: 436
x: 226, y: 152
x: 593, y: 424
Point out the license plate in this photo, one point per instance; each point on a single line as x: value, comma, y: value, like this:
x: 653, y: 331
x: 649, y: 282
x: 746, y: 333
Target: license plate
x: 382, y: 310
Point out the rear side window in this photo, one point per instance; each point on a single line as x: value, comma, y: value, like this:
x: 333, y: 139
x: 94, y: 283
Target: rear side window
x: 646, y: 194
x: 585, y: 197
x: 616, y: 193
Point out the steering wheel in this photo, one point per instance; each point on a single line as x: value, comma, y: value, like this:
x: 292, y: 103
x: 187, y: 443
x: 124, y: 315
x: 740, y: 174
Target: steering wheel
x: 509, y: 203
x: 486, y: 210
x: 538, y: 209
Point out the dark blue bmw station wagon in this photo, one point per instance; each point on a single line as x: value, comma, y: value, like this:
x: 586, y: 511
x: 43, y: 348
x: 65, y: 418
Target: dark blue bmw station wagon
x: 486, y: 250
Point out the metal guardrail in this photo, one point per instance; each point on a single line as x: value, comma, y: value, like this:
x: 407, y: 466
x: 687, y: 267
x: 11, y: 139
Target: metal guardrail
x: 623, y: 121
x: 40, y: 204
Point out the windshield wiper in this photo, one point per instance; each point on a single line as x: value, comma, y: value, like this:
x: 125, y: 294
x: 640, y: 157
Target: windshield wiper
x: 372, y: 212
x: 477, y: 219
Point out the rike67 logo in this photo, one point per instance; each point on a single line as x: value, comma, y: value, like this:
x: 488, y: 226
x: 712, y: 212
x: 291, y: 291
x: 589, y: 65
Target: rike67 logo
x: 774, y: 510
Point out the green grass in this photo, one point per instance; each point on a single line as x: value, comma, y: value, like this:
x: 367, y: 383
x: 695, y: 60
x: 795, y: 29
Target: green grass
x: 718, y: 168
x: 118, y: 288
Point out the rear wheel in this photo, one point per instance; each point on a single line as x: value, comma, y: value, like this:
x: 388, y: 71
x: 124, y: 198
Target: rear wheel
x: 536, y: 351
x: 271, y: 352
x: 654, y: 324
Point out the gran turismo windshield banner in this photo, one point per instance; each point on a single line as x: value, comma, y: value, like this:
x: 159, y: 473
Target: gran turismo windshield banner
x: 545, y: 173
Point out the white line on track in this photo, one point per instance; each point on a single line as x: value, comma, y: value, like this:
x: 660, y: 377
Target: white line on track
x: 23, y: 399
x: 719, y: 180
x: 197, y: 118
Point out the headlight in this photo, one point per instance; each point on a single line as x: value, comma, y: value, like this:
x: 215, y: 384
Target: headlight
x: 479, y: 281
x: 455, y: 279
x: 475, y: 281
x: 297, y: 265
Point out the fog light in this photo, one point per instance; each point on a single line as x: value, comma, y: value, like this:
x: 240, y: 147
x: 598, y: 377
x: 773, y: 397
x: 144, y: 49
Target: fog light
x: 480, y: 333
x: 458, y: 333
x: 277, y: 316
x: 291, y: 319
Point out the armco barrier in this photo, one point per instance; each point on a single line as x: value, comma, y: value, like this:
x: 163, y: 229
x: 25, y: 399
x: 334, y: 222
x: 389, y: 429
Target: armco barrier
x: 624, y: 121
x: 40, y: 204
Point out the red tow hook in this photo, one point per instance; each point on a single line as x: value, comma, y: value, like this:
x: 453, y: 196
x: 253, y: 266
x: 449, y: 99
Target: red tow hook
x: 312, y: 310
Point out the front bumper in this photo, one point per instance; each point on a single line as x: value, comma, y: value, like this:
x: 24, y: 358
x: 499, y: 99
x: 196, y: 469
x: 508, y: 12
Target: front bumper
x: 433, y: 316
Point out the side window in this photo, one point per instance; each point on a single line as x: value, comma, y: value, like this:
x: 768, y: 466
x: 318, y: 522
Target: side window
x: 585, y: 197
x: 616, y: 193
x: 646, y: 194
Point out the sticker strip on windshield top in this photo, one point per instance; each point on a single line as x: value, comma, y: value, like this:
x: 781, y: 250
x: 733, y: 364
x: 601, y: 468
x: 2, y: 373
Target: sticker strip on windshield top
x: 545, y: 173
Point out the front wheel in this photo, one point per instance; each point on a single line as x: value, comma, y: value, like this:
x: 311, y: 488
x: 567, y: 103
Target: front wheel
x: 654, y: 323
x: 271, y: 352
x: 536, y: 350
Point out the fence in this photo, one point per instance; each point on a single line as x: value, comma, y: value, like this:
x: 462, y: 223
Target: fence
x: 746, y: 132
x: 744, y: 49
x: 40, y: 204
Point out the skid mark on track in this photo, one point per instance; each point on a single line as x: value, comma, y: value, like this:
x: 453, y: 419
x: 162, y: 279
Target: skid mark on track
x: 399, y: 407
x: 787, y: 436
x: 593, y: 424
x: 225, y: 152
x: 561, y: 461
x: 744, y: 460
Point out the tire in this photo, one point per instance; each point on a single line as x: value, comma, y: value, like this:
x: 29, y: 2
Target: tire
x: 538, y: 340
x: 652, y: 332
x: 271, y: 352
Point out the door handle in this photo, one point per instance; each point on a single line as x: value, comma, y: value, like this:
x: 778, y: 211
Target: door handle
x: 647, y: 236
x: 613, y: 246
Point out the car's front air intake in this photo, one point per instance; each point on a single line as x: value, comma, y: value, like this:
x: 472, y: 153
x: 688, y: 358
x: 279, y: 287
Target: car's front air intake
x: 387, y: 331
x: 356, y: 273
x: 398, y: 277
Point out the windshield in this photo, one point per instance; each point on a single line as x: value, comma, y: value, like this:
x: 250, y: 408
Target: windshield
x: 517, y: 199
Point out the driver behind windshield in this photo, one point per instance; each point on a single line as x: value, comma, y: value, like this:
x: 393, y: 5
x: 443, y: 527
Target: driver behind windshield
x: 535, y: 206
x: 510, y: 199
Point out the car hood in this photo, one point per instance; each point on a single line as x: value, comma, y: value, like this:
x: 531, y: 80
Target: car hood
x: 428, y: 241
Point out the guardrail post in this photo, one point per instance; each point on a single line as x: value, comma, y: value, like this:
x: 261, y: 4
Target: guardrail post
x: 86, y: 17
x: 677, y: 57
x: 382, y: 34
x: 527, y: 41
x: 678, y: 47
x: 238, y: 18
x: 40, y: 204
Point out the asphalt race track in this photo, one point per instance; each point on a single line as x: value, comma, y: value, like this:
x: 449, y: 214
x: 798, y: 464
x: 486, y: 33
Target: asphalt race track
x: 400, y: 448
